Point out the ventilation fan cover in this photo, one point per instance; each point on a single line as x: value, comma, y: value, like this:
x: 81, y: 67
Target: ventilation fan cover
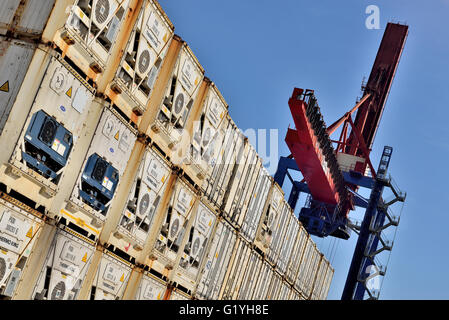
x: 144, y: 59
x: 58, y: 291
x: 144, y: 204
x: 99, y: 170
x: 101, y: 12
x: 48, y: 131
x: 174, y: 228
x: 179, y: 104
x: 196, y: 246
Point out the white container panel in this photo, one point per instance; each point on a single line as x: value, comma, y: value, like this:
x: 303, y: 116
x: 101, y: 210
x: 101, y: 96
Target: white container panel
x: 103, y: 167
x: 144, y: 198
x: 274, y: 287
x: 320, y: 277
x: 295, y: 260
x: 303, y: 268
x: 194, y: 251
x: 216, y: 263
x: 279, y: 229
x: 312, y: 271
x: 327, y: 283
x: 173, y: 229
x: 143, y: 57
x: 284, y: 292
x: 265, y: 275
x: 14, y: 62
x: 256, y: 205
x: 151, y: 288
x: 251, y: 276
x: 236, y: 271
x: 61, y: 106
x: 66, y: 266
x: 18, y: 230
x: 111, y: 278
x: 288, y: 243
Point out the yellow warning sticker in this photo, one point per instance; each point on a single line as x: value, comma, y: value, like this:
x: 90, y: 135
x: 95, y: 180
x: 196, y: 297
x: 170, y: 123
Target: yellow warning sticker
x: 69, y: 93
x: 122, y: 278
x: 5, y: 87
x: 164, y: 38
x: 163, y: 179
x: 84, y: 258
x: 30, y: 233
x: 159, y: 296
x: 117, y: 135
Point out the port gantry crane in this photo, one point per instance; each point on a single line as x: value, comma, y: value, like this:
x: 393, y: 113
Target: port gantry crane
x: 333, y: 175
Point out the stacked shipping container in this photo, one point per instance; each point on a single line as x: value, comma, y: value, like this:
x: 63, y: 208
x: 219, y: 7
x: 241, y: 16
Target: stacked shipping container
x: 122, y: 175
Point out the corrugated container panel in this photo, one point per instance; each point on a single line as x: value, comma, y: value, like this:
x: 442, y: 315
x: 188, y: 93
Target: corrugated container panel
x: 269, y: 217
x: 288, y: 243
x: 172, y: 233
x: 179, y: 295
x: 265, y: 274
x: 173, y: 114
x: 251, y: 277
x: 142, y: 60
x: 295, y: 259
x: 65, y: 267
x: 294, y: 295
x: 19, y: 227
x: 304, y: 266
x: 274, y: 287
x: 209, y: 130
x: 312, y: 272
x: 54, y: 125
x: 29, y: 17
x: 90, y: 33
x: 320, y: 278
x: 241, y: 186
x: 111, y: 278
x: 284, y: 292
x: 216, y: 262
x: 216, y: 184
x: 278, y: 233
x: 151, y: 288
x: 193, y: 255
x: 103, y: 166
x: 149, y: 186
x: 327, y: 283
x: 236, y: 271
x: 15, y: 59
x: 256, y: 205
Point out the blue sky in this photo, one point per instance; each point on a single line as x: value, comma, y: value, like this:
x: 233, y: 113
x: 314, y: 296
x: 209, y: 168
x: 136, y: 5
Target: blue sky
x: 256, y: 51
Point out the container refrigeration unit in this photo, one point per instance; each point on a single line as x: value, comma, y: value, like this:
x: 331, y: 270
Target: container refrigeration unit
x: 102, y: 169
x: 209, y: 130
x: 170, y: 236
x: 198, y: 237
x: 172, y: 115
x: 111, y: 278
x: 89, y: 33
x: 151, y: 288
x: 19, y: 227
x: 147, y: 46
x: 65, y: 267
x: 56, y: 122
x: 144, y: 200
